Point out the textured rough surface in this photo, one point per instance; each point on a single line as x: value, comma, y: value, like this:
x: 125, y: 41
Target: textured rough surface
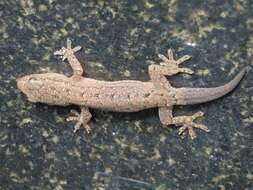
x: 38, y: 149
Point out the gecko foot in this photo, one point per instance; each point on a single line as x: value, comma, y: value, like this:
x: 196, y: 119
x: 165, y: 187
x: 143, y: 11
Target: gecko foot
x: 81, y: 119
x: 173, y: 64
x: 67, y: 52
x: 186, y: 122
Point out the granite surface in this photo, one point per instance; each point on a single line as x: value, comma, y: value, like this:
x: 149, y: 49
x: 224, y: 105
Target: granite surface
x: 38, y: 149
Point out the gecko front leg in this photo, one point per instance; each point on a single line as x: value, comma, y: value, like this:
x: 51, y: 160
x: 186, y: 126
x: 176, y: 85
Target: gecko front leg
x: 82, y: 119
x: 69, y: 54
x: 184, y: 122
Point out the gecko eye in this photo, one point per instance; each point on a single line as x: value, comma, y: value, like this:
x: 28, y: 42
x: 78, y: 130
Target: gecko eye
x: 33, y: 83
x: 32, y: 79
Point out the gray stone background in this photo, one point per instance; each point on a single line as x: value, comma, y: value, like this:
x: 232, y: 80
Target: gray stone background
x: 38, y: 149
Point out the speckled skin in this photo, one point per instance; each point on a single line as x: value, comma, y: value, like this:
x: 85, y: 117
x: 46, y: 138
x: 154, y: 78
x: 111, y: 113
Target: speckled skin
x: 119, y: 96
x: 124, y: 95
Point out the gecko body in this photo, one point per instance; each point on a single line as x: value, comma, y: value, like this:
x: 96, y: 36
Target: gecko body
x: 124, y: 95
x: 119, y: 96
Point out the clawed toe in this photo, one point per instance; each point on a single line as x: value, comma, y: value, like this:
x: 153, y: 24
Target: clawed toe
x: 186, y: 70
x: 74, y: 112
x: 196, y: 115
x: 202, y: 127
x: 192, y: 133
x: 72, y: 118
x: 183, y: 59
x: 75, y: 116
x: 78, y: 126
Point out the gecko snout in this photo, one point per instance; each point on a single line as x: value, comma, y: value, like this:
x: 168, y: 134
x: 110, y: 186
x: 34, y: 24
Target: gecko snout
x: 25, y: 84
x: 29, y: 87
x: 20, y: 83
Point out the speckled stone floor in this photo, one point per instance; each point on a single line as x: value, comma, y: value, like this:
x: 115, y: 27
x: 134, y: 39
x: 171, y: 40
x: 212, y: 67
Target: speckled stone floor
x: 38, y: 149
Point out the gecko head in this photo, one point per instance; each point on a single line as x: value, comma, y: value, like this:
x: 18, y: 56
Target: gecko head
x: 31, y: 86
x: 44, y: 88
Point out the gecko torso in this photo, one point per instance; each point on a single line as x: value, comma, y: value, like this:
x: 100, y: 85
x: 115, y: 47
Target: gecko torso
x: 124, y: 95
x: 120, y: 96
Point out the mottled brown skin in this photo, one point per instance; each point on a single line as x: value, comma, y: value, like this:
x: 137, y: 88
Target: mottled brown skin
x: 124, y: 95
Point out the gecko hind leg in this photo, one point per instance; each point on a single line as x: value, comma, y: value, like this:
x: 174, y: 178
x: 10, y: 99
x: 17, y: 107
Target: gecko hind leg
x: 82, y: 118
x: 185, y: 122
x: 173, y: 64
x: 168, y: 67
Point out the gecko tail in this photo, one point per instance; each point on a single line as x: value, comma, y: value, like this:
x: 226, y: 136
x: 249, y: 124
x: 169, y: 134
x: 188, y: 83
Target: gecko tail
x: 189, y: 96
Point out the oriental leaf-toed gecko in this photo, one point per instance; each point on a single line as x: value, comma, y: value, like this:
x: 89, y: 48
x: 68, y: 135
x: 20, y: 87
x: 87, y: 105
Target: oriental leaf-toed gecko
x: 123, y: 95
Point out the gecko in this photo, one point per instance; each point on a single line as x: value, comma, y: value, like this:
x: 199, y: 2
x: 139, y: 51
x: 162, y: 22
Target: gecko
x: 122, y: 95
